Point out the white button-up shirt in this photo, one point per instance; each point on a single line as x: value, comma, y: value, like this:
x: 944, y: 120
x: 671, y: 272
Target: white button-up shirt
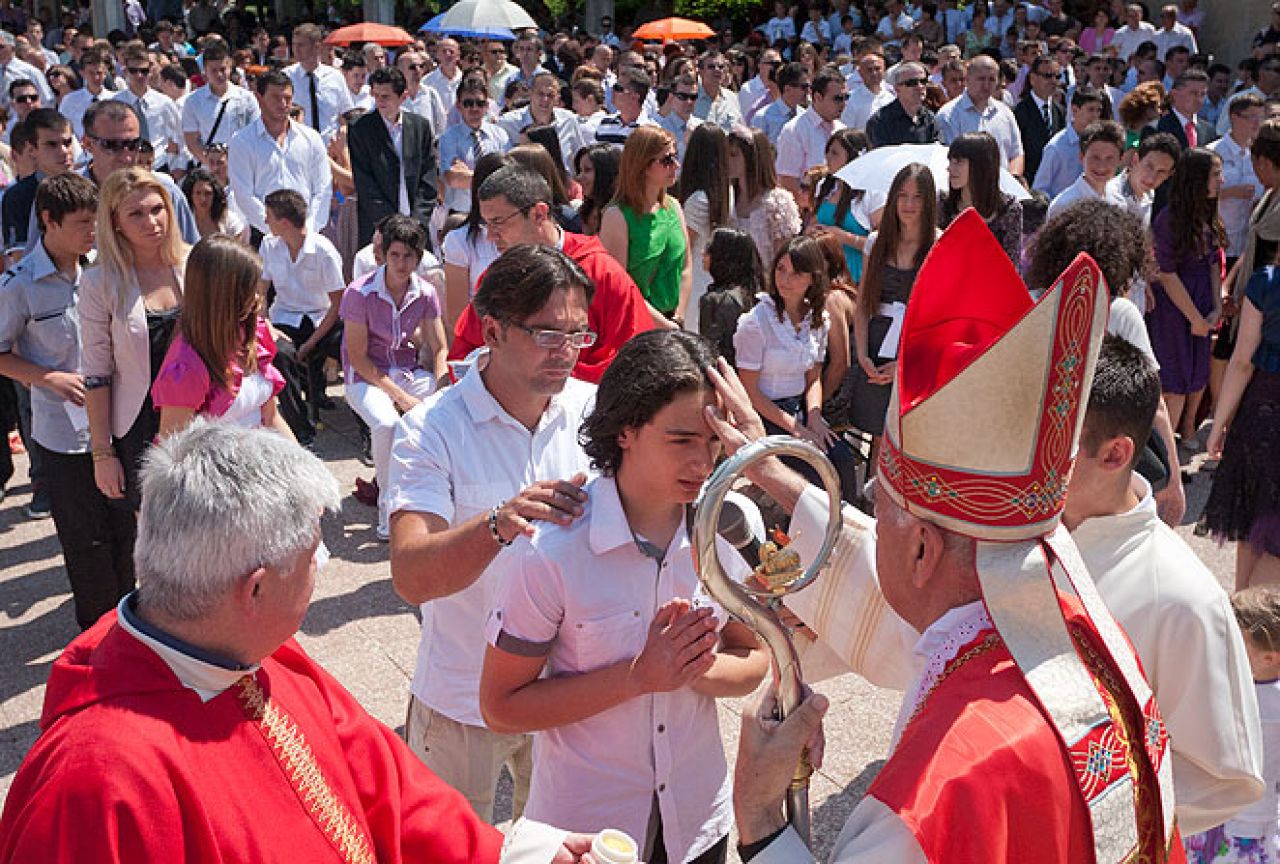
x: 258, y: 165
x: 1237, y: 170
x: 396, y: 131
x: 863, y: 103
x: 164, y: 122
x: 586, y: 593
x: 457, y: 455
x: 802, y: 143
x: 426, y: 103
x: 462, y: 143
x: 332, y: 96
x: 75, y: 103
x: 568, y: 130
x: 1127, y: 40
x: 780, y: 351
x: 960, y: 115
x: 201, y: 111
x: 302, y: 285
x: 446, y: 88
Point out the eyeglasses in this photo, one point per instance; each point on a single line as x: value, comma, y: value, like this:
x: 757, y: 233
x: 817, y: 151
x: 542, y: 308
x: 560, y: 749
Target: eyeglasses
x: 499, y: 221
x: 553, y: 339
x: 115, y: 145
x: 139, y: 70
x: 805, y: 87
x: 914, y: 82
x: 718, y: 67
x: 29, y: 97
x: 497, y: 51
x: 618, y: 88
x: 840, y: 98
x: 670, y: 160
x: 417, y: 67
x: 474, y: 103
x: 686, y: 97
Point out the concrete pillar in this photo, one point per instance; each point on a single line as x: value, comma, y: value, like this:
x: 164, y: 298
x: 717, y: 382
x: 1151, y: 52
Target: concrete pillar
x: 107, y: 17
x: 597, y: 9
x: 381, y: 11
x: 1229, y: 27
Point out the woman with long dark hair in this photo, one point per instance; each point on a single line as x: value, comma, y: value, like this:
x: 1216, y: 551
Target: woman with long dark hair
x: 973, y: 174
x: 209, y: 204
x: 596, y: 167
x: 737, y: 277
x: 907, y: 232
x: 467, y: 250
x: 847, y: 214
x: 762, y: 208
x: 1188, y: 235
x: 707, y: 198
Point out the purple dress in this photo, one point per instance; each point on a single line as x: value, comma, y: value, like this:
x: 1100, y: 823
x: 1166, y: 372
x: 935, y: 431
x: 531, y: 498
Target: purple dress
x: 1184, y: 359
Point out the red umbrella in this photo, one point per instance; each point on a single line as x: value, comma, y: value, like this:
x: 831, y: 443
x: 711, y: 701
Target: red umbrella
x: 382, y: 34
x: 673, y: 29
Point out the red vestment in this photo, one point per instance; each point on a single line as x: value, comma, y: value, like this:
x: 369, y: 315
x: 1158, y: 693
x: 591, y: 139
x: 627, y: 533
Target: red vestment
x: 131, y: 766
x: 617, y: 311
x: 981, y: 773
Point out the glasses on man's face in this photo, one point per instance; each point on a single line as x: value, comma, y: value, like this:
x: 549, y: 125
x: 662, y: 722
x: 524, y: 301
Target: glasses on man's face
x: 499, y: 221
x: 913, y: 82
x: 839, y: 98
x: 686, y: 97
x: 550, y: 340
x: 416, y: 67
x: 115, y: 145
x: 474, y: 103
x: 716, y: 67
x: 26, y: 97
x: 496, y: 52
x: 139, y: 70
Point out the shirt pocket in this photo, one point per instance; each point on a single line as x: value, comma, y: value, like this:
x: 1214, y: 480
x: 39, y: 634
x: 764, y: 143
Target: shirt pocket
x: 54, y: 330
x: 599, y: 642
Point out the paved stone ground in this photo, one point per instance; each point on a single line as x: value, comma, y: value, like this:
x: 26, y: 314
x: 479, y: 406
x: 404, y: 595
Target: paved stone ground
x: 363, y: 633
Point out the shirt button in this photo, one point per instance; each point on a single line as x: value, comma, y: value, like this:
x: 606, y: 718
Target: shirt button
x: 662, y: 787
x: 661, y: 728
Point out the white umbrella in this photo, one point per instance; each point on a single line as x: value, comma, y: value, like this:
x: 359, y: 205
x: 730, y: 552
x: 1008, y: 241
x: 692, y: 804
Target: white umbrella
x: 874, y: 170
x: 479, y: 14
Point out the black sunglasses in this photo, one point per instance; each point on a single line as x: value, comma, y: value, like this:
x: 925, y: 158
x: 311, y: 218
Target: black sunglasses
x: 913, y: 82
x: 29, y: 97
x: 139, y: 70
x: 115, y: 145
x: 686, y: 97
x: 474, y: 103
x: 668, y: 161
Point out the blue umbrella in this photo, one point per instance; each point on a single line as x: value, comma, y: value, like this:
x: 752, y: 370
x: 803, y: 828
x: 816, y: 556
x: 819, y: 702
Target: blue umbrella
x: 435, y: 25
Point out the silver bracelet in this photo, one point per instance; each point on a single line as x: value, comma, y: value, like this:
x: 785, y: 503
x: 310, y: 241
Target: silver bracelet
x: 493, y: 527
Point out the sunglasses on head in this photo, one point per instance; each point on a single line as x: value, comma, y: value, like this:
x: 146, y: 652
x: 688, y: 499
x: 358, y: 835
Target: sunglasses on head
x: 474, y: 103
x: 115, y: 145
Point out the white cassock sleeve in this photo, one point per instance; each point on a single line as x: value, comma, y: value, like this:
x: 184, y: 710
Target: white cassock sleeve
x: 858, y: 632
x: 530, y: 842
x: 873, y: 834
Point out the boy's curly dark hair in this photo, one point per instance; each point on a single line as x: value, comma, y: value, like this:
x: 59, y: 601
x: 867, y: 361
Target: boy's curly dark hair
x: 1113, y: 237
x: 646, y: 376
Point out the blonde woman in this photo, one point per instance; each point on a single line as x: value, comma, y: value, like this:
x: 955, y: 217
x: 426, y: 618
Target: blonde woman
x: 644, y: 226
x: 129, y: 304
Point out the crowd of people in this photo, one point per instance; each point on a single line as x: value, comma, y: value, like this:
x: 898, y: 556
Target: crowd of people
x: 553, y: 274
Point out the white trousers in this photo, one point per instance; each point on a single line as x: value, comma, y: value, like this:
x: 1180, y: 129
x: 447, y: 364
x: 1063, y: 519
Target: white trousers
x: 376, y: 409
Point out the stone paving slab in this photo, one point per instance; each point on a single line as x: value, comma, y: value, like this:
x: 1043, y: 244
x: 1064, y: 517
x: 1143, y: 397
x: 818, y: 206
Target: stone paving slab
x: 367, y: 637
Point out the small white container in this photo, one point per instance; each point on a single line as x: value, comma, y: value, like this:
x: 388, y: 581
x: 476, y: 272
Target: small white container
x: 612, y: 846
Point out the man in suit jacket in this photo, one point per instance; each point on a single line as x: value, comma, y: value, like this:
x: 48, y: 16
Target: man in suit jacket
x: 393, y: 157
x: 1185, y: 101
x: 1039, y: 103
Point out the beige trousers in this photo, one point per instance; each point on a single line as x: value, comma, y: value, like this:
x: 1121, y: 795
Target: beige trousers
x: 470, y: 758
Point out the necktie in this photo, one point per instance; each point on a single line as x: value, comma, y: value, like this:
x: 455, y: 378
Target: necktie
x: 1048, y: 121
x: 1190, y: 129
x: 315, y: 102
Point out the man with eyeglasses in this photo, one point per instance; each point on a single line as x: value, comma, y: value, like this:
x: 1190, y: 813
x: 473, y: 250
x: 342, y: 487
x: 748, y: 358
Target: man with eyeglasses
x: 474, y: 467
x: 905, y: 120
x: 463, y: 143
x: 318, y: 88
x: 219, y: 109
x: 793, y: 97
x: 676, y: 114
x: 494, y: 57
x: 977, y: 111
x: 802, y: 143
x: 1039, y: 113
x: 867, y: 93
x: 516, y: 204
x: 13, y: 69
x: 94, y: 66
x: 629, y: 95
x: 162, y: 122
x: 444, y: 79
x: 23, y: 99
x: 420, y: 100
x: 716, y: 104
x: 753, y: 95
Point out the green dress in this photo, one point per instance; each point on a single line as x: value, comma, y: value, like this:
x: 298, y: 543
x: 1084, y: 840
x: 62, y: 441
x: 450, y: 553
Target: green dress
x: 655, y: 254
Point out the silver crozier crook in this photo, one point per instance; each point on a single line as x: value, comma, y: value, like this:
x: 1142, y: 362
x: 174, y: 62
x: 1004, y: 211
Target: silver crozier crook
x: 779, y: 574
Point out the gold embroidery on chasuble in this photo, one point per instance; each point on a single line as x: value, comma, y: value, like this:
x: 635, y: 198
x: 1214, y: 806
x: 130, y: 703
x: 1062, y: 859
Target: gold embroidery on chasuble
x: 295, y: 756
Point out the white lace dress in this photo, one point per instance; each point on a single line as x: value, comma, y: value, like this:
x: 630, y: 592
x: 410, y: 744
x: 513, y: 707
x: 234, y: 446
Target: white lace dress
x: 772, y: 222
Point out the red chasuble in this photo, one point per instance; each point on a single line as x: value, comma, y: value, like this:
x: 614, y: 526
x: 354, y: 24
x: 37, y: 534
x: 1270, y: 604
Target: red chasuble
x: 285, y: 766
x: 981, y: 775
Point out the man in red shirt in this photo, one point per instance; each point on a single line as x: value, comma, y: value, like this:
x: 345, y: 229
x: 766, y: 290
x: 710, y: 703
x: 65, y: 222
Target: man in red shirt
x: 515, y: 203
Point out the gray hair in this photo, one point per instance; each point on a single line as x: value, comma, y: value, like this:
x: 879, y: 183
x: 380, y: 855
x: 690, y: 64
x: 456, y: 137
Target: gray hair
x: 519, y: 184
x: 218, y: 502
x: 906, y: 70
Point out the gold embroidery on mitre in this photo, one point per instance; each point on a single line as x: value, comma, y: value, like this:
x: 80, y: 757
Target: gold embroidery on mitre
x: 295, y: 756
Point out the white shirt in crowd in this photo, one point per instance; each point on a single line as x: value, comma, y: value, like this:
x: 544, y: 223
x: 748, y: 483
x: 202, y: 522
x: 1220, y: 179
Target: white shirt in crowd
x: 780, y: 351
x: 446, y: 88
x: 75, y: 103
x: 429, y: 268
x: 332, y: 96
x: 863, y: 103
x: 426, y: 103
x: 202, y: 107
x: 1127, y: 39
x: 457, y: 455
x: 586, y: 592
x: 257, y: 166
x: 960, y: 115
x: 1180, y: 34
x: 302, y: 285
x: 802, y: 143
x: 1237, y: 170
x: 568, y: 130
x: 164, y: 123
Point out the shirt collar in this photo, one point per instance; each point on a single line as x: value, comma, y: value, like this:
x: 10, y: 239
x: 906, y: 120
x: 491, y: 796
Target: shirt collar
x: 610, y: 529
x: 391, y: 127
x: 483, y: 407
x: 39, y: 263
x: 1182, y: 121
x: 376, y: 285
x: 1143, y: 512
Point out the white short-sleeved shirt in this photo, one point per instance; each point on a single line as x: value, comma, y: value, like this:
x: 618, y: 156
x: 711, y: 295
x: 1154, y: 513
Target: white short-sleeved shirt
x: 200, y: 112
x: 1126, y: 322
x: 802, y: 143
x: 302, y: 286
x: 781, y: 352
x: 457, y: 455
x: 960, y: 115
x: 474, y: 254
x: 584, y: 595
